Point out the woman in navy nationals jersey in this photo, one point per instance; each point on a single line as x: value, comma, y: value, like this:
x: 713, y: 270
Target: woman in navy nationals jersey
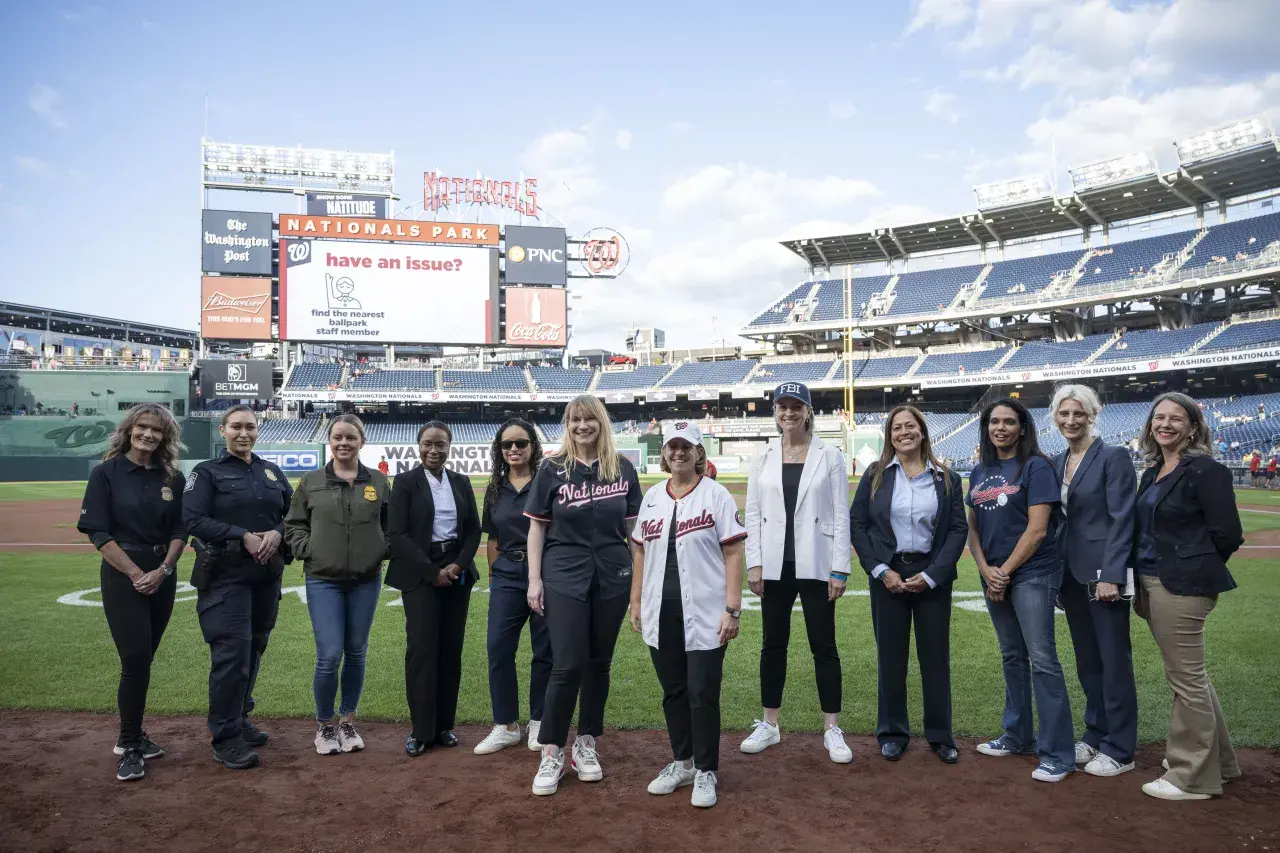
x: 582, y: 507
x: 1013, y: 520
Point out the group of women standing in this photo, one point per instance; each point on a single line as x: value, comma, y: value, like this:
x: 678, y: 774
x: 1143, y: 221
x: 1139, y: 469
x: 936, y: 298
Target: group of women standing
x: 573, y: 544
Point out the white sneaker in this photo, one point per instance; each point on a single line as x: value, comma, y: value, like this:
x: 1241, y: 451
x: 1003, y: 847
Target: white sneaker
x: 839, y: 751
x: 1084, y: 752
x: 675, y: 775
x: 327, y: 742
x: 348, y: 738
x: 585, y: 760
x: 499, y: 739
x: 704, y: 789
x: 764, y: 736
x: 535, y: 726
x: 550, y: 771
x: 1225, y: 779
x: 1104, y: 765
x: 1163, y: 789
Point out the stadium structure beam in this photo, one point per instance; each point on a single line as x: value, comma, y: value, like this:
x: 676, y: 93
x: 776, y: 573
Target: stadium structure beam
x: 897, y: 242
x: 991, y: 229
x: 1066, y: 211
x: 818, y: 248
x: 1200, y: 186
x: 888, y: 258
x: 1089, y: 210
x: 964, y: 223
x: 1171, y: 187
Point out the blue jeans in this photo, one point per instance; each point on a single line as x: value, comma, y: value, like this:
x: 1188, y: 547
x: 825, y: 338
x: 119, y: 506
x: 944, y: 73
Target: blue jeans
x: 1024, y: 628
x: 341, y: 617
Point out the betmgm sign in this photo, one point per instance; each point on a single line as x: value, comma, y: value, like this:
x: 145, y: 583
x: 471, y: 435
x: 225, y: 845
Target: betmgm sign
x: 235, y: 380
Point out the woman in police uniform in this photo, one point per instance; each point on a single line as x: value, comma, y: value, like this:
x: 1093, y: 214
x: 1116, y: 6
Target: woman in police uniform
x: 234, y: 508
x: 132, y: 513
x: 686, y: 598
x: 582, y: 505
x: 515, y: 454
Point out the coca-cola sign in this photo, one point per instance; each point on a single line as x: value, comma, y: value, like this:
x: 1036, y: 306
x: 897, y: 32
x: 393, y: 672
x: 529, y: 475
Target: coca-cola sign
x: 535, y: 316
x: 235, y: 308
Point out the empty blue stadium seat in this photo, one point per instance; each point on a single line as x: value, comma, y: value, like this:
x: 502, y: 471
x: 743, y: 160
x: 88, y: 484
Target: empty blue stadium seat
x: 830, y: 302
x: 1027, y: 275
x: 949, y: 363
x: 1156, y: 343
x: 635, y: 379
x: 780, y: 311
x: 1051, y: 353
x: 495, y: 379
x: 314, y: 376
x: 1246, y: 237
x: 1259, y: 333
x: 930, y: 291
x: 401, y: 380
x: 560, y: 379
x: 792, y: 371
x: 276, y: 430
x: 877, y: 368
x: 1131, y: 258
x: 709, y: 373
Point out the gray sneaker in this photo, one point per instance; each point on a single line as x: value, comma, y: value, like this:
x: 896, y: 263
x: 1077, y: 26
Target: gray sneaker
x: 674, y: 776
x: 704, y: 790
x: 327, y: 742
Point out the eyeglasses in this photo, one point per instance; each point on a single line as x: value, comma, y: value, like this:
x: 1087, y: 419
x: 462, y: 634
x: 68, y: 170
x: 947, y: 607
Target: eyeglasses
x: 517, y: 443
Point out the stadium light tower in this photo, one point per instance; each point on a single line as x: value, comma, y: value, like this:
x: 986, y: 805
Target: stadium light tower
x: 1229, y: 138
x: 1013, y: 192
x: 1117, y: 170
x: 274, y: 169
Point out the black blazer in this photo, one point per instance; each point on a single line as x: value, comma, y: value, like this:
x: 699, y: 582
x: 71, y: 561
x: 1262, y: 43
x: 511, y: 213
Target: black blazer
x: 409, y: 520
x: 872, y: 532
x: 1099, y: 529
x: 1197, y: 527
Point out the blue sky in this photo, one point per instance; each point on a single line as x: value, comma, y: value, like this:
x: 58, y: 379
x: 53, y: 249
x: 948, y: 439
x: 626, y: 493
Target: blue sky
x: 704, y: 132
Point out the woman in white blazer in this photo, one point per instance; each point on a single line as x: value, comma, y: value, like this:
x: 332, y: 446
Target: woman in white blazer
x: 798, y: 545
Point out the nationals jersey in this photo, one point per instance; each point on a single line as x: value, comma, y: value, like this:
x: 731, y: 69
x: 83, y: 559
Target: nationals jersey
x: 705, y: 520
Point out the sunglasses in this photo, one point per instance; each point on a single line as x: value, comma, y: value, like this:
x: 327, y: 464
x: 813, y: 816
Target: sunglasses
x: 517, y: 443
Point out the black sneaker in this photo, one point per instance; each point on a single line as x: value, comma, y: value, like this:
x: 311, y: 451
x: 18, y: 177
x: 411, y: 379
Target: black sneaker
x: 253, y: 735
x: 132, y: 766
x: 235, y: 755
x: 150, y: 749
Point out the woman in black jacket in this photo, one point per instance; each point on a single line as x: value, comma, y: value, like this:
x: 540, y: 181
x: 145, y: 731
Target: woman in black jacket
x: 908, y: 528
x: 1187, y: 528
x: 434, y: 529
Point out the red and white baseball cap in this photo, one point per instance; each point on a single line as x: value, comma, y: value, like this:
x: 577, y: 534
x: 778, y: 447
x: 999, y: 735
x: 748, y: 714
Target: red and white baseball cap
x: 688, y: 430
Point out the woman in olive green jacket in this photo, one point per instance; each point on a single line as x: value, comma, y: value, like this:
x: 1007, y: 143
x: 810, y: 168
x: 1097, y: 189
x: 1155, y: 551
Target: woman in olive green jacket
x: 337, y: 526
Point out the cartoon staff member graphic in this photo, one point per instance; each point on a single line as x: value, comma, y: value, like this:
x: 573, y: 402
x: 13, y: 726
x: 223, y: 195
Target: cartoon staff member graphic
x: 339, y: 292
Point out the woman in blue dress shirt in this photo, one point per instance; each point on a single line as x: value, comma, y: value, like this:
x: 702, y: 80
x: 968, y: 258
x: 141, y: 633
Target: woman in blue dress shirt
x: 908, y: 529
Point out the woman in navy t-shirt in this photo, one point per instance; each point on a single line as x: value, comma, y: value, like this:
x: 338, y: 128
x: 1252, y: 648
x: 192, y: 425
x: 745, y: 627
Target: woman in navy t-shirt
x: 1013, y: 516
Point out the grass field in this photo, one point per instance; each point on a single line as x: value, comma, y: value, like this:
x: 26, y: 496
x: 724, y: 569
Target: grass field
x: 56, y: 654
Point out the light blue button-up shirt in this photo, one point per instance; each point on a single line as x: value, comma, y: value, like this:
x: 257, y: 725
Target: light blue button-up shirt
x: 915, y: 503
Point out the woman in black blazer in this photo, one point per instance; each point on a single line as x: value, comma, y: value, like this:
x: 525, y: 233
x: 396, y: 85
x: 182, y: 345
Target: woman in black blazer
x: 908, y: 528
x: 1187, y: 529
x: 434, y: 530
x: 1095, y: 542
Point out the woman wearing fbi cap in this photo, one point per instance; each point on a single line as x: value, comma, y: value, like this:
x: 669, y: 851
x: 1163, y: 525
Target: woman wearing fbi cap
x: 132, y: 513
x: 798, y: 545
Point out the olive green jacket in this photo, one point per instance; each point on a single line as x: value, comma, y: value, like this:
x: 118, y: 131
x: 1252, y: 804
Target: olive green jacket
x: 338, y: 529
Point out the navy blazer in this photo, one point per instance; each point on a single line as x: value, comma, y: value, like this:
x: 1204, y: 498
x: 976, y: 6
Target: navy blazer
x: 409, y: 519
x: 872, y: 531
x: 1099, y: 528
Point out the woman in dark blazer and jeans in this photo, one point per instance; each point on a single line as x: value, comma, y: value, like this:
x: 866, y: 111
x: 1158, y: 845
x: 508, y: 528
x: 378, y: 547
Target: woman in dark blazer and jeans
x: 434, y: 529
x: 908, y: 528
x: 1187, y: 529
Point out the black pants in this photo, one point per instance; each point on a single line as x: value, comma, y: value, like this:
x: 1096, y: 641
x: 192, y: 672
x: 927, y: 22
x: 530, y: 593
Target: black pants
x: 690, y: 690
x: 819, y: 622
x: 1104, y: 663
x: 137, y: 623
x: 237, y: 614
x: 583, y: 634
x: 435, y: 624
x: 508, y: 611
x: 891, y: 617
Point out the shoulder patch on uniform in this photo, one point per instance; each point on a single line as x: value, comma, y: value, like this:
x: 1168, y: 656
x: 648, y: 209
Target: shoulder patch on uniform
x: 737, y: 516
x: 191, y: 482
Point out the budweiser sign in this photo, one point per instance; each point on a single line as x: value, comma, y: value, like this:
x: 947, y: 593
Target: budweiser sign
x: 235, y: 308
x: 247, y: 304
x: 535, y: 316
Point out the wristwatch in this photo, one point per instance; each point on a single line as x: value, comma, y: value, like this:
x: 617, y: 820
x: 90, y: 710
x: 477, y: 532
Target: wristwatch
x: 736, y: 614
x: 167, y: 569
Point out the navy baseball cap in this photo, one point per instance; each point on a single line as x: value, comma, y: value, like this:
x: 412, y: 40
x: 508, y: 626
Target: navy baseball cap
x: 794, y: 390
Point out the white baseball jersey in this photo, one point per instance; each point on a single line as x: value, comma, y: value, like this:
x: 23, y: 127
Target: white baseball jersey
x: 705, y: 520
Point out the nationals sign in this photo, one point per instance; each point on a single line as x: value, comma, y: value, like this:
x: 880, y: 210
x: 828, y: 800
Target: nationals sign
x: 536, y: 317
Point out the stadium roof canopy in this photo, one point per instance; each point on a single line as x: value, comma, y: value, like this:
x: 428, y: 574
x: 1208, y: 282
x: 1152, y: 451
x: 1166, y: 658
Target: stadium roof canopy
x: 68, y: 323
x: 1211, y: 181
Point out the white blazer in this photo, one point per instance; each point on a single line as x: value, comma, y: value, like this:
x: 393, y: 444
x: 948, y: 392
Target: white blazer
x: 821, y: 520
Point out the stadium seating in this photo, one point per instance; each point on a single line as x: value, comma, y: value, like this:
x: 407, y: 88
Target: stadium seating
x: 1156, y: 343
x: 830, y: 302
x: 504, y: 379
x: 780, y: 311
x: 410, y: 380
x: 949, y: 363
x: 629, y: 380
x: 1047, y: 353
x: 1262, y: 435
x: 929, y: 291
x: 962, y: 447
x: 1259, y: 333
x: 877, y: 368
x: 1247, y: 237
x: 1131, y: 258
x: 559, y: 379
x: 791, y: 371
x: 1027, y: 275
x: 314, y: 376
x: 720, y: 374
x: 1241, y: 407
x: 276, y: 430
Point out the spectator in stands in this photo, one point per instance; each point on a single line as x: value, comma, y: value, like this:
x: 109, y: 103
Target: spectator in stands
x: 1098, y: 487
x: 908, y: 529
x: 337, y: 525
x: 515, y: 455
x: 1013, y: 497
x: 583, y: 505
x: 1188, y: 527
x: 798, y: 545
x: 434, y: 532
x: 132, y: 513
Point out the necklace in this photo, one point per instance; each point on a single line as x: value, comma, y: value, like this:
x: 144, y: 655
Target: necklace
x: 680, y: 491
x: 795, y: 454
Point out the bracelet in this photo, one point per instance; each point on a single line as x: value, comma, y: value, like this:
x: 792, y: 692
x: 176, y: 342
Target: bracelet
x: 840, y: 576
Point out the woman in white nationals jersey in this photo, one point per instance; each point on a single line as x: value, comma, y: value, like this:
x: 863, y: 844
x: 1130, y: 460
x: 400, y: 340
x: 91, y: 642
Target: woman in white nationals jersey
x: 686, y: 598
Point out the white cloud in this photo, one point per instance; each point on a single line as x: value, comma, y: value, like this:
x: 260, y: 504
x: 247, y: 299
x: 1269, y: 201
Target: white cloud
x: 943, y: 105
x: 33, y: 165
x: 623, y: 140
x: 679, y: 128
x: 563, y: 161
x: 939, y: 13
x: 841, y: 110
x: 742, y: 193
x: 80, y: 16
x: 44, y: 102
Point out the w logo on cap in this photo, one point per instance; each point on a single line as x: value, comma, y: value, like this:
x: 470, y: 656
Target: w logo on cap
x: 682, y: 424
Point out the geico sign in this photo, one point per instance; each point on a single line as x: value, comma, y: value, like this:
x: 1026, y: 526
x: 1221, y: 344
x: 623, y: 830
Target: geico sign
x: 519, y: 254
x: 293, y: 459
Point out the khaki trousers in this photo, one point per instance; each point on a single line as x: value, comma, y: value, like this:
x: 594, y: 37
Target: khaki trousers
x: 1199, y: 747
